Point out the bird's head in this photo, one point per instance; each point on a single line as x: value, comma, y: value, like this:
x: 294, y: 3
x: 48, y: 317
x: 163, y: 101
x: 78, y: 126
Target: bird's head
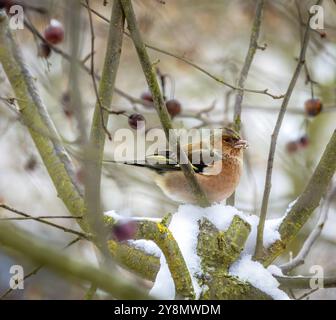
x: 230, y: 142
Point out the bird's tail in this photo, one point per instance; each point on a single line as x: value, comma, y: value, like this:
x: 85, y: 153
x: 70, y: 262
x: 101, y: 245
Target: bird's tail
x: 158, y: 167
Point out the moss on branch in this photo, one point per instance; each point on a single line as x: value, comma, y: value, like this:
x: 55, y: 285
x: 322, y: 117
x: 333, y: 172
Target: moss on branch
x: 34, y: 248
x: 35, y: 117
x: 162, y: 236
x: 135, y: 260
x: 218, y: 250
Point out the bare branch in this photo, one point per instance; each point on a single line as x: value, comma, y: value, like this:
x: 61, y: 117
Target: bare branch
x: 35, y: 249
x: 253, y: 46
x: 307, y: 202
x: 93, y: 72
x: 313, y: 236
x: 247, y: 63
x: 160, y: 104
x: 268, y: 180
x: 197, y: 67
x: 303, y: 282
x: 26, y: 215
x: 35, y: 270
x: 95, y: 147
x: 35, y: 117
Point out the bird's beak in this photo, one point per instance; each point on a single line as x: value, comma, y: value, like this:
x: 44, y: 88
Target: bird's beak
x: 241, y: 144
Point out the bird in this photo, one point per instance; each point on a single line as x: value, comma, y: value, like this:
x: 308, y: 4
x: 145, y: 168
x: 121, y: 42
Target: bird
x: 217, y: 165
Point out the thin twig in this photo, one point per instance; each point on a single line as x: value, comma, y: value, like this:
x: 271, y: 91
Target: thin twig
x: 26, y: 215
x: 197, y: 67
x: 39, y: 217
x: 253, y: 46
x: 268, y: 180
x: 67, y: 57
x: 313, y: 236
x: 93, y: 71
x: 307, y: 294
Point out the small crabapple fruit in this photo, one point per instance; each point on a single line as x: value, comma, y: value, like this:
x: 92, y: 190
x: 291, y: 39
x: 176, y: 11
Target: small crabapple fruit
x: 313, y: 107
x: 54, y: 33
x: 124, y: 231
x: 136, y: 121
x: 174, y: 107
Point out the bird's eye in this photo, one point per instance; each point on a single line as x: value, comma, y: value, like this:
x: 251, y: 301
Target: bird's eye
x: 231, y: 140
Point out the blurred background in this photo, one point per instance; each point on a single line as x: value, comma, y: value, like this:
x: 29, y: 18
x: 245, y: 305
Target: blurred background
x: 213, y: 35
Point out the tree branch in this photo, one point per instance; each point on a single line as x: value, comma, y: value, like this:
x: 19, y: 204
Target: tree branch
x: 268, y: 180
x: 160, y: 104
x: 253, y: 46
x: 41, y: 128
x: 38, y: 219
x: 313, y: 236
x: 247, y: 64
x: 35, y: 249
x: 194, y: 65
x: 163, y: 238
x: 95, y: 148
x: 305, y: 282
x: 36, y: 270
x: 307, y: 202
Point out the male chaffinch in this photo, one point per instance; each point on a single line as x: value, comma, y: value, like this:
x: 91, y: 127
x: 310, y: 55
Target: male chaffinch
x: 218, y: 177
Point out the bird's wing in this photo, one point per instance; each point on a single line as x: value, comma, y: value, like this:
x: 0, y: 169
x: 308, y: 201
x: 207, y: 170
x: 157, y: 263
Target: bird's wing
x: 202, y: 160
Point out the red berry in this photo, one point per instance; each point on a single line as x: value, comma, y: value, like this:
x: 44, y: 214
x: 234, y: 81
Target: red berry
x: 31, y: 164
x: 304, y: 142
x: 136, y: 121
x: 66, y: 103
x: 44, y: 50
x: 6, y: 4
x: 54, y: 33
x: 147, y: 96
x: 292, y: 146
x: 124, y: 231
x: 174, y: 107
x: 323, y: 34
x: 313, y: 107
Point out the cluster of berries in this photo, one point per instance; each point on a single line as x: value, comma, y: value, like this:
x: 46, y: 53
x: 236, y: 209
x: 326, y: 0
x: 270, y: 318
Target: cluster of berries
x: 313, y: 107
x: 137, y: 120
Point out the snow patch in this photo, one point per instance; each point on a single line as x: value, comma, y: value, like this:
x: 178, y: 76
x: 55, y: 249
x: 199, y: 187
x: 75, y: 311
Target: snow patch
x: 184, y: 226
x: 253, y: 272
x: 148, y: 246
x: 275, y: 270
x: 122, y: 217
